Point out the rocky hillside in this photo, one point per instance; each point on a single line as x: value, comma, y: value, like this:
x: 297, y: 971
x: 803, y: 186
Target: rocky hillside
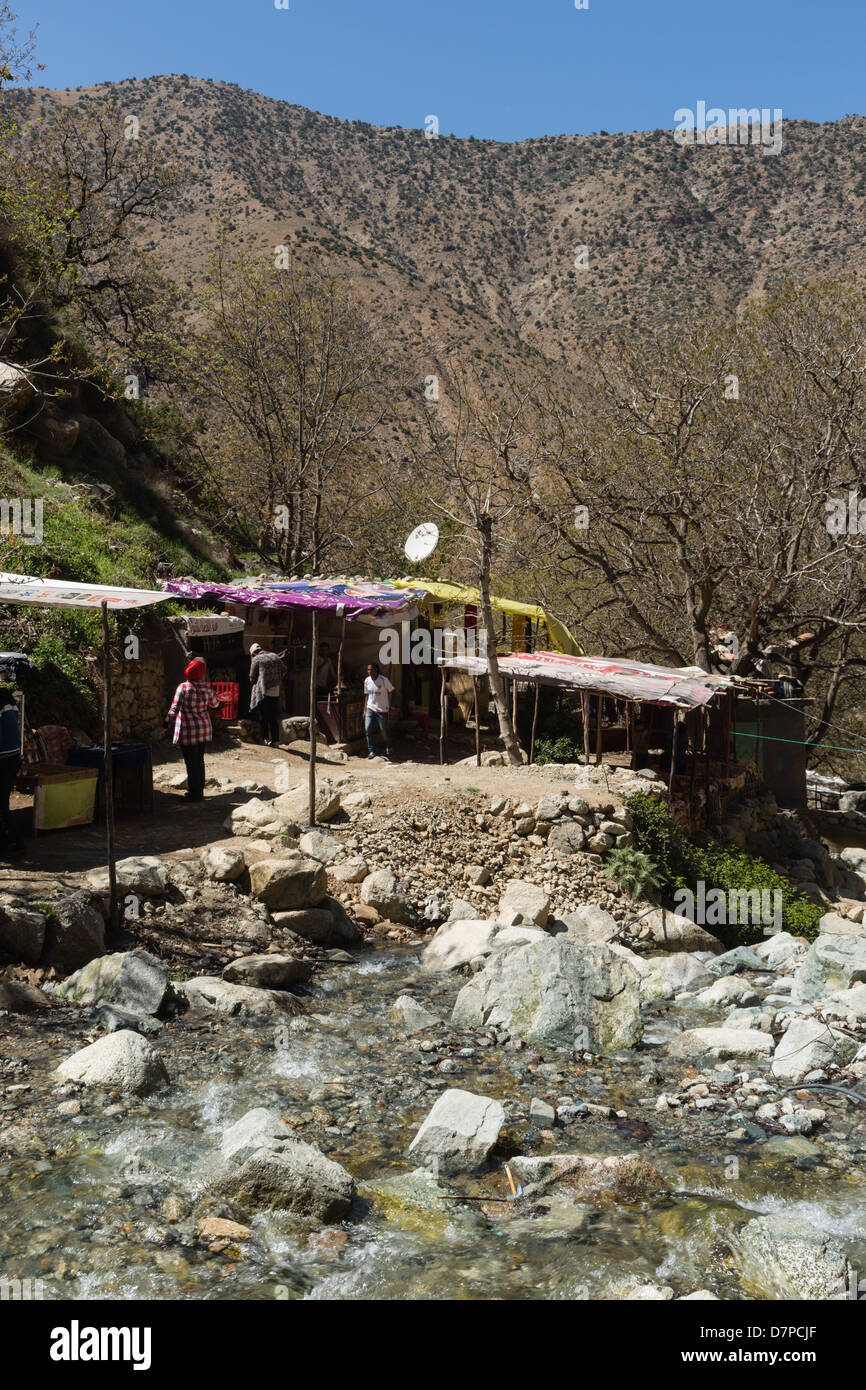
x: 474, y: 241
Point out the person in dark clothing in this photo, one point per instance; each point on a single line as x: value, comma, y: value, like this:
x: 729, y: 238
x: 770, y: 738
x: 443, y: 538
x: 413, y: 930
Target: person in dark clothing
x: 267, y: 670
x: 10, y: 761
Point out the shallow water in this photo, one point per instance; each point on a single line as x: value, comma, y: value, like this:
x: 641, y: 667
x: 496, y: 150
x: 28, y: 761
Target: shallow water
x: 82, y: 1206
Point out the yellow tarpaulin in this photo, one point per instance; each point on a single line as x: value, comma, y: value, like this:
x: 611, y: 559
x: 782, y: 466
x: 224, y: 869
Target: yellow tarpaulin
x: 444, y: 591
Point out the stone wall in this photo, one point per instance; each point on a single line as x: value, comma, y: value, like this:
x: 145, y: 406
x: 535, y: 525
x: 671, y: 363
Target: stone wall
x: 138, y: 692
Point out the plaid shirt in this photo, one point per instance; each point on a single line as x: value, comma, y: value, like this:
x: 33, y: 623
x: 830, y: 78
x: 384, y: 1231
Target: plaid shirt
x: 191, y: 703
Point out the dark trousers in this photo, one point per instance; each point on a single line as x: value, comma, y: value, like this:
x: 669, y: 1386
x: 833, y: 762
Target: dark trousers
x: 8, y: 772
x: 268, y: 715
x: 193, y: 756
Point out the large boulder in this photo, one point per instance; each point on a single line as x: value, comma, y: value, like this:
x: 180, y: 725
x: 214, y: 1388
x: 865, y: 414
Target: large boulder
x: 682, y: 971
x: 781, y: 1257
x: 143, y: 874
x: 734, y: 962
x: 523, y: 904
x: 208, y: 994
x: 567, y: 837
x: 721, y: 1043
x: 257, y: 819
x: 671, y: 932
x: 326, y: 925
x: 16, y: 388
x: 16, y: 997
x: 458, y: 943
x: 268, y: 971
x: 459, y: 1132
x: 22, y: 932
x: 589, y: 923
x: 780, y: 950
x: 265, y: 1168
x: 412, y: 1015
x: 223, y: 865
x: 122, y: 1061
x: 319, y: 845
x: 75, y: 932
x: 295, y: 804
x: 834, y: 924
x: 133, y: 980
x: 288, y: 883
x: 808, y: 1044
x: 382, y: 890
x: 832, y: 963
x: 557, y: 994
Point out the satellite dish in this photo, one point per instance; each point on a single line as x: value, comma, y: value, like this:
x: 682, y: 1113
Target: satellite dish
x: 423, y: 541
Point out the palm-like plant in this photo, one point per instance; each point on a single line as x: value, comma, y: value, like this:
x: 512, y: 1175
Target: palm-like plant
x: 636, y: 874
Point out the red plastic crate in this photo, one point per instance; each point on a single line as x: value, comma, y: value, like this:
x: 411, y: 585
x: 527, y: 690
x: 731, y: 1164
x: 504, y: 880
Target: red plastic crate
x: 227, y: 693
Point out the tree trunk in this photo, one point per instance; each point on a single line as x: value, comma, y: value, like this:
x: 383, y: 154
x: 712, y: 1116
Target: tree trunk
x: 497, y: 685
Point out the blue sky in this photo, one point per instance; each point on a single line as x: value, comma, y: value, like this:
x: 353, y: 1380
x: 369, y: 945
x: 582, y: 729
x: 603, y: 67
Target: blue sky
x: 496, y: 69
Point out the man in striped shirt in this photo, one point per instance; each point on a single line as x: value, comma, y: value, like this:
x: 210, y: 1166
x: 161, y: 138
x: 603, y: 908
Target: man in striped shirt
x: 190, y: 709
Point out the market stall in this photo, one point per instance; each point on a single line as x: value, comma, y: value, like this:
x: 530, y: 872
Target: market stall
x: 55, y: 593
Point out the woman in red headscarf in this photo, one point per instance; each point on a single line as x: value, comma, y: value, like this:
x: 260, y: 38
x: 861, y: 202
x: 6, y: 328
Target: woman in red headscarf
x: 190, y: 708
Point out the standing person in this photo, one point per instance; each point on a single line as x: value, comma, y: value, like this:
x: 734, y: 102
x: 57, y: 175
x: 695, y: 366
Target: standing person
x: 267, y: 670
x: 377, y: 704
x: 11, y: 845
x: 190, y: 708
x: 326, y: 672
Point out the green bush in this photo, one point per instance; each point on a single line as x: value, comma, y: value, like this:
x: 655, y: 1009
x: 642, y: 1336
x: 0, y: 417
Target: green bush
x: 683, y: 863
x: 555, y: 750
x: 635, y: 872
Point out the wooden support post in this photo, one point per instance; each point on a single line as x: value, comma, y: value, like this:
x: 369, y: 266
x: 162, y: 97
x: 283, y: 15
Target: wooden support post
x: 706, y: 730
x: 534, y: 722
x: 314, y: 656
x: 758, y: 732
x: 443, y: 715
x: 627, y: 727
x: 584, y: 710
x: 728, y: 735
x: 477, y: 722
x: 599, y: 707
x: 514, y: 707
x: 108, y: 772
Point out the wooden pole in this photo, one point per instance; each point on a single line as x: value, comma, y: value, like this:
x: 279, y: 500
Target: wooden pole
x: 108, y: 772
x: 627, y: 727
x: 514, y: 706
x: 598, y: 731
x: 443, y: 715
x: 534, y: 722
x: 758, y: 732
x: 314, y: 653
x: 340, y: 706
x: 584, y: 710
x: 477, y: 722
x: 728, y: 736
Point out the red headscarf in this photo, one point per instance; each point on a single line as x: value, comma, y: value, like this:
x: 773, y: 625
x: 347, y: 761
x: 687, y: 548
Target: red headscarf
x: 196, y: 670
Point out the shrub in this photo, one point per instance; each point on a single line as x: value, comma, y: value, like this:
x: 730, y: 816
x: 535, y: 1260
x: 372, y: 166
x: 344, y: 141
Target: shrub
x: 635, y: 872
x: 683, y: 863
x: 555, y: 750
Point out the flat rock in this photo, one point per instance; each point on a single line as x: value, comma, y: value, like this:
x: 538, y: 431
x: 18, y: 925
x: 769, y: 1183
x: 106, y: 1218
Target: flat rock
x: 223, y: 865
x: 524, y: 904
x: 269, y: 971
x: 208, y: 994
x: 671, y: 932
x: 721, y: 1043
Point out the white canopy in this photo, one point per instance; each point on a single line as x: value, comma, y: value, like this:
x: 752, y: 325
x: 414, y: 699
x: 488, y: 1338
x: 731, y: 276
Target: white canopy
x: 59, y: 593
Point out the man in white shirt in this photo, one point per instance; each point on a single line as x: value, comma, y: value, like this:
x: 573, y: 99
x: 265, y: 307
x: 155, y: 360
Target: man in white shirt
x: 377, y: 704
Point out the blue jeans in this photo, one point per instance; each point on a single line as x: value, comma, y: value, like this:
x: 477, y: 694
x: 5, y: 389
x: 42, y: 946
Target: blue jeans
x: 371, y: 719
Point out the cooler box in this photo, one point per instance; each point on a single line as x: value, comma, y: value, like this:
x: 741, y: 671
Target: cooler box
x: 63, y: 796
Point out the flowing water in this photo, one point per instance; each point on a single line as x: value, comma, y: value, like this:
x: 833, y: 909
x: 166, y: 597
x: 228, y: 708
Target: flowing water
x: 83, y: 1195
